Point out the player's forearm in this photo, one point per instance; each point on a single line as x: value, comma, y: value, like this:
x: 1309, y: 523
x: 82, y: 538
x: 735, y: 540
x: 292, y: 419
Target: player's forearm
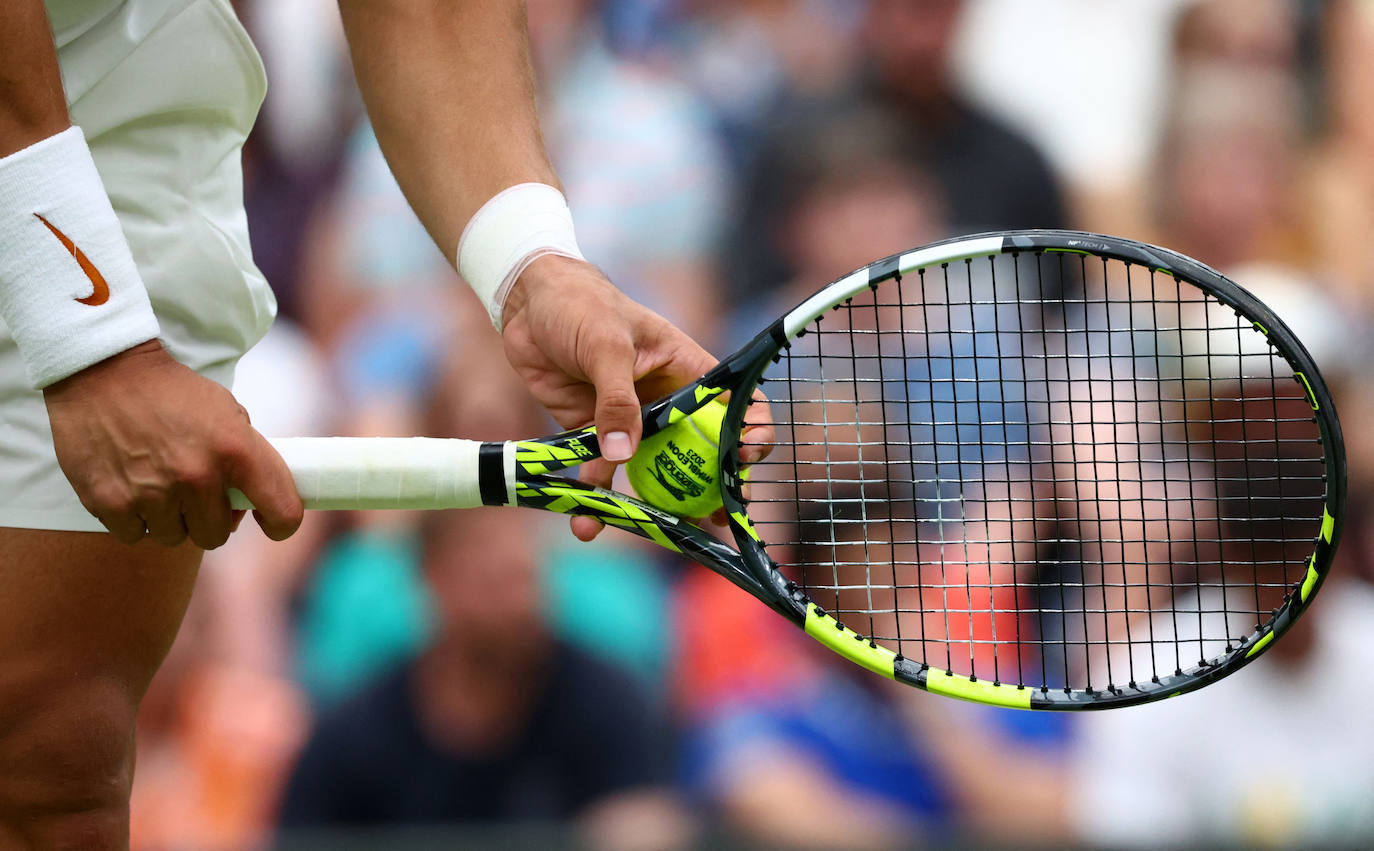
x: 32, y: 105
x: 450, y: 92
x: 64, y: 316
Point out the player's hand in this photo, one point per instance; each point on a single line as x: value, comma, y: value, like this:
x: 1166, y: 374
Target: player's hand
x: 590, y: 354
x: 148, y: 444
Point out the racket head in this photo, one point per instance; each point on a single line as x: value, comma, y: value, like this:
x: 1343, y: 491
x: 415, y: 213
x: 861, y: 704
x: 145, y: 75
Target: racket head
x: 1052, y: 470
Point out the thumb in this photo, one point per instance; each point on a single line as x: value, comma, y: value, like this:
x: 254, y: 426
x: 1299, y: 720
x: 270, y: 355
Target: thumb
x: 618, y: 420
x: 265, y: 479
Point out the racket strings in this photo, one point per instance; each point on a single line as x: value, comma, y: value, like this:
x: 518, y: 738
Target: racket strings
x: 1061, y: 471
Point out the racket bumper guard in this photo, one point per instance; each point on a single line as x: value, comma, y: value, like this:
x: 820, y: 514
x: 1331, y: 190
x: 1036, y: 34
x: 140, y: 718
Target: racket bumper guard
x: 978, y: 691
x: 849, y: 643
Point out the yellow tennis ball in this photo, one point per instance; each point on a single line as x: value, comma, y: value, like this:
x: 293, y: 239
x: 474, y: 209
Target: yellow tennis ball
x: 678, y: 469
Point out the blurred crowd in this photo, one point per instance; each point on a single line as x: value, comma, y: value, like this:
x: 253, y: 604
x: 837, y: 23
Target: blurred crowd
x: 723, y: 158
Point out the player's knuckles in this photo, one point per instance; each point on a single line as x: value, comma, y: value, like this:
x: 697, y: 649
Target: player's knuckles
x: 604, y: 341
x: 195, y: 475
x: 110, y: 497
x: 234, y: 446
x: 619, y: 402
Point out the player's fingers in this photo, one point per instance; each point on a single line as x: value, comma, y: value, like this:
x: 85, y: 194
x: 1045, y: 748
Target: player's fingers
x: 125, y: 527
x: 165, y: 522
x: 586, y: 528
x: 686, y: 363
x: 757, y: 439
x: 209, y: 519
x: 112, y: 505
x: 720, y: 516
x: 600, y: 473
x: 618, y: 423
x: 264, y: 478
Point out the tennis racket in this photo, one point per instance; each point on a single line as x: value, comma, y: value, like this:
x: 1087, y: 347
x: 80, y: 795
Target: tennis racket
x: 1038, y: 469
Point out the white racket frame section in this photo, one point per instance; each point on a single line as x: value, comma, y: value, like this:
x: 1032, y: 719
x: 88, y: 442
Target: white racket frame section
x: 847, y: 287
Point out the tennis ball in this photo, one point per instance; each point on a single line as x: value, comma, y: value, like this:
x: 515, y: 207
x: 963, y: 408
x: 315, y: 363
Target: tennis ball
x: 678, y: 469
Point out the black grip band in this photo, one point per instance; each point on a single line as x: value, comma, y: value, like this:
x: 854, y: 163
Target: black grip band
x: 491, y: 474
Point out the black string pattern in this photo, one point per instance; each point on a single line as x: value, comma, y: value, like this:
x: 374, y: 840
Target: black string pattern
x: 1047, y: 469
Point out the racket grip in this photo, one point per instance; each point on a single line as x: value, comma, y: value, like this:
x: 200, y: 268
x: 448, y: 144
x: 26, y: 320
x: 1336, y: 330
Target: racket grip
x: 361, y: 473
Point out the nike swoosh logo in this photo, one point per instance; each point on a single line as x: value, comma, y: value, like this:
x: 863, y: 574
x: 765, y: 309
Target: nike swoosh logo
x: 100, y: 292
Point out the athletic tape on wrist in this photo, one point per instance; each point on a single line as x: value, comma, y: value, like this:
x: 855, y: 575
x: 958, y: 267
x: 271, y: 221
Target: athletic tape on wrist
x: 510, y: 231
x: 69, y: 290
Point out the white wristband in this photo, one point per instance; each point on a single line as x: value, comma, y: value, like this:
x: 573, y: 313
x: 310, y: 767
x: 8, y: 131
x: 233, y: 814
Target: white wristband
x: 69, y: 290
x: 507, y: 234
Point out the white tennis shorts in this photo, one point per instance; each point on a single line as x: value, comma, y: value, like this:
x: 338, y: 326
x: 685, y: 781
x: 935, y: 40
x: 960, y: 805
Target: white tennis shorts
x: 166, y: 92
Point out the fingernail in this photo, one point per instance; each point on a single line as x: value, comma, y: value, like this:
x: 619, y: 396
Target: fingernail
x: 616, y: 446
x: 751, y: 454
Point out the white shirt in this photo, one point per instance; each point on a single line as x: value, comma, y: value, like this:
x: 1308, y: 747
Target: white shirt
x: 1281, y: 752
x: 70, y: 17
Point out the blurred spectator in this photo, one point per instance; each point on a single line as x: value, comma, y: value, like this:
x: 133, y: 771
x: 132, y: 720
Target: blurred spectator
x: 314, y: 99
x: 1229, y: 157
x: 1230, y: 182
x: 372, y: 279
x: 1341, y: 193
x: 1190, y: 771
x: 1088, y: 82
x: 786, y: 744
x: 644, y: 173
x: 744, y: 57
x: 1235, y: 189
x: 216, y: 738
x: 365, y: 609
x: 497, y: 721
x: 292, y: 158
x: 790, y: 746
x: 1230, y: 192
x: 783, y: 749
x: 990, y: 175
x: 849, y: 192
x: 534, y: 745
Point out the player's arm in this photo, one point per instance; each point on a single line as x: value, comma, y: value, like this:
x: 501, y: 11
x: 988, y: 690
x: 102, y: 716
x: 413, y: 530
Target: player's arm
x: 32, y: 106
x: 147, y: 444
x: 450, y: 91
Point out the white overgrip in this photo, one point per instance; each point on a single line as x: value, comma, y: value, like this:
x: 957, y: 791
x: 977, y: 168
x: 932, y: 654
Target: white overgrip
x: 364, y: 473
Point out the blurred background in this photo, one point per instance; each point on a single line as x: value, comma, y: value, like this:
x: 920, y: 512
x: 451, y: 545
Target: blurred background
x: 481, y: 679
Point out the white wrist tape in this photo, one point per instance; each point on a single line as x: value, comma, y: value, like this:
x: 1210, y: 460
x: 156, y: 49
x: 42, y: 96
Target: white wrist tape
x: 69, y: 290
x: 507, y: 234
